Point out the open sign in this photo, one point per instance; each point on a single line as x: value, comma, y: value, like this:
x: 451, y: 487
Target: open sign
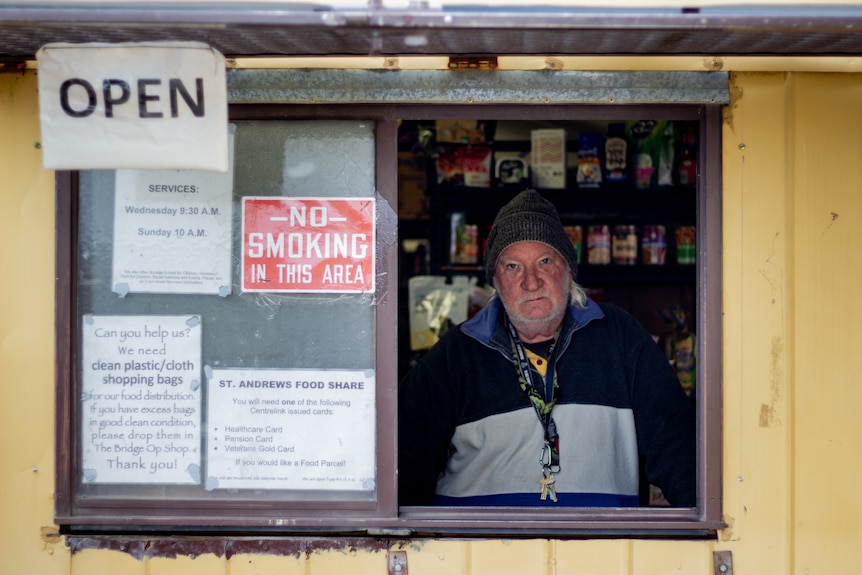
x: 160, y: 105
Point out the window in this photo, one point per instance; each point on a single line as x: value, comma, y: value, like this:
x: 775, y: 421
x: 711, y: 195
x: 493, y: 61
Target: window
x: 222, y: 361
x: 130, y: 469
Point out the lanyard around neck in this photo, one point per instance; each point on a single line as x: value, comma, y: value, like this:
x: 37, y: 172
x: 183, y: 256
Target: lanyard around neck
x: 542, y: 400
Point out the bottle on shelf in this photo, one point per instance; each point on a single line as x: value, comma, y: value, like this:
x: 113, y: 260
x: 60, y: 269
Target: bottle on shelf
x: 624, y: 250
x: 616, y: 154
x: 686, y: 167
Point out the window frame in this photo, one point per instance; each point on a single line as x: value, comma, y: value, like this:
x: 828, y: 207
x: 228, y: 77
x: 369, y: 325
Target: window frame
x: 386, y: 518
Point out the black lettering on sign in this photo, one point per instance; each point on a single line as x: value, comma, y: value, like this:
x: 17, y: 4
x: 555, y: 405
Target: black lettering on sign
x: 64, y: 98
x: 143, y: 97
x: 116, y: 92
x: 197, y: 107
x: 108, y: 95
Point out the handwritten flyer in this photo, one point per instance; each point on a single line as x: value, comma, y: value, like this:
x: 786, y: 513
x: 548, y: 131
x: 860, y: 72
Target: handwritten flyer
x: 172, y: 231
x: 141, y: 399
x: 291, y: 429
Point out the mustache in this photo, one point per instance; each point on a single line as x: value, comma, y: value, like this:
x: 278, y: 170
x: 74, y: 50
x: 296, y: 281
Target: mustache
x: 533, y: 296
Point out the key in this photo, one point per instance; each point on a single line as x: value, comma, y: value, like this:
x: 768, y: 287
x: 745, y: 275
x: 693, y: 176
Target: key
x: 548, y: 488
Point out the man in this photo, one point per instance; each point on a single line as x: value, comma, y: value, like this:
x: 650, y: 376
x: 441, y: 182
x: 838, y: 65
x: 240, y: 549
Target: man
x: 544, y: 397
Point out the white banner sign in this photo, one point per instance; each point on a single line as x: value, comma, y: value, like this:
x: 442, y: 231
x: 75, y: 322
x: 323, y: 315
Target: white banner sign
x: 172, y: 231
x: 290, y: 429
x: 159, y: 105
x: 141, y: 399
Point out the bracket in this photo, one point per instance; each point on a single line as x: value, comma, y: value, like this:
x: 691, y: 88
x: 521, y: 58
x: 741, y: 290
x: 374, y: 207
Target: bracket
x: 397, y: 563
x: 722, y: 562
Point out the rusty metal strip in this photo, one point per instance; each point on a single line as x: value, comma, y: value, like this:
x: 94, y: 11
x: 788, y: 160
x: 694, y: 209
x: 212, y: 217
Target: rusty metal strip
x: 474, y: 86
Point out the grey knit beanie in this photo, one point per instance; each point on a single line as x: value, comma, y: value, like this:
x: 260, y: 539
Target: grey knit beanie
x: 528, y: 218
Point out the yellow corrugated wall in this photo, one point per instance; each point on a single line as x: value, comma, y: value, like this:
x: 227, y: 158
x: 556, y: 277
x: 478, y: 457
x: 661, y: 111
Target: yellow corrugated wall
x: 792, y: 169
x: 26, y: 337
x: 825, y: 382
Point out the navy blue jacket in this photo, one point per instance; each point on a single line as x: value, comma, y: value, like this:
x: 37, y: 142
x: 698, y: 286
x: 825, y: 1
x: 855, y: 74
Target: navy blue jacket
x: 468, y: 434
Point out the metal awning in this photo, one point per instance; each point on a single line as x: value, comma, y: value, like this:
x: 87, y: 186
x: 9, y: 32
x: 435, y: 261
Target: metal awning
x: 478, y: 87
x: 295, y: 29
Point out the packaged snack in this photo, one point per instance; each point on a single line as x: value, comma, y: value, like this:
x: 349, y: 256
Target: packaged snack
x: 467, y: 244
x: 548, y: 157
x: 666, y: 161
x: 435, y: 306
x: 449, y: 171
x: 598, y: 245
x: 576, y: 236
x: 654, y: 245
x: 686, y: 244
x: 510, y: 168
x: 616, y: 154
x: 460, y: 131
x: 680, y: 348
x: 686, y: 168
x: 589, y: 174
x: 625, y: 245
x: 475, y: 162
x: 646, y: 137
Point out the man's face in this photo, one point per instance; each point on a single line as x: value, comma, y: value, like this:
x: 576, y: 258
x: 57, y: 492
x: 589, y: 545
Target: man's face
x: 532, y: 280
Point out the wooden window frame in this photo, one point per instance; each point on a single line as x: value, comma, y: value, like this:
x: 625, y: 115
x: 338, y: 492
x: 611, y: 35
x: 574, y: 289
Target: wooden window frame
x: 385, y: 518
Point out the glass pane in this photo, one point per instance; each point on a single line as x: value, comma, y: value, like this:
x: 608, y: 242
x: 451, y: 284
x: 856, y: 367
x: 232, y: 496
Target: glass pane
x: 195, y: 391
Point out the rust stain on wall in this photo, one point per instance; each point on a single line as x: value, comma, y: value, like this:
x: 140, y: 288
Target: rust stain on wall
x: 769, y: 414
x: 141, y: 547
x: 776, y: 386
x: 735, y: 97
x: 727, y: 534
x: 765, y: 415
x: 49, y: 537
x: 833, y: 216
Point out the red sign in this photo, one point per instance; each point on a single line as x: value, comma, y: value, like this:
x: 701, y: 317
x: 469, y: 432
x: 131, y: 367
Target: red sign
x: 308, y: 245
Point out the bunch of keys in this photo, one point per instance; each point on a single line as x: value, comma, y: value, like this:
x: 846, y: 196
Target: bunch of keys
x: 548, y: 488
x: 548, y: 468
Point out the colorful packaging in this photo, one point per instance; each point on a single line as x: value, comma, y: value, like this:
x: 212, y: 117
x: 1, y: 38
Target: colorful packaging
x: 459, y: 131
x: 616, y: 154
x: 686, y: 168
x: 548, y: 157
x: 598, y: 245
x: 436, y: 304
x: 654, y: 245
x: 589, y: 174
x: 666, y: 161
x: 680, y: 348
x: 457, y: 220
x: 510, y: 168
x: 475, y: 162
x: 686, y: 244
x: 646, y: 137
x: 467, y: 244
x: 625, y: 245
x: 576, y: 236
x: 449, y: 171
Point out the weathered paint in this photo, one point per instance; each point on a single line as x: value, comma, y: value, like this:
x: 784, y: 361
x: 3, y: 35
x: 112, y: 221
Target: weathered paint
x: 792, y: 210
x: 302, y: 86
x: 179, y: 546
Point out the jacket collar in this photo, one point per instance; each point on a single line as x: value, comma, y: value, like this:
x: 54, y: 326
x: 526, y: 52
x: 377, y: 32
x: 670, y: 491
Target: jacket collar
x: 482, y: 326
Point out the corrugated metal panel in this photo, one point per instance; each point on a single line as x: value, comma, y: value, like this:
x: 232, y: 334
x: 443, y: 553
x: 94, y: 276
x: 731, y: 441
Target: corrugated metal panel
x: 291, y: 29
x: 475, y: 86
